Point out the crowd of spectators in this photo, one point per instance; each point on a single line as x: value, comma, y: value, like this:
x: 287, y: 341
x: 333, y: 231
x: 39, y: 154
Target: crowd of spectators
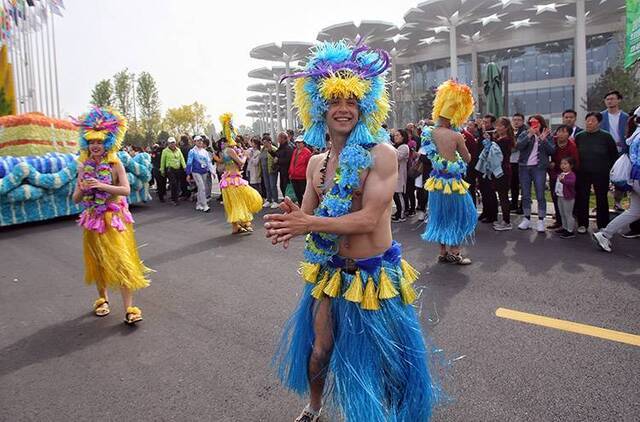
x: 516, y: 163
x: 519, y: 165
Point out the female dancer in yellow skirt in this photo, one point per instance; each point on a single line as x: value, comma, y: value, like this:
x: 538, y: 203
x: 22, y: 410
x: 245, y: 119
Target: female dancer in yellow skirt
x: 240, y: 200
x: 110, y: 252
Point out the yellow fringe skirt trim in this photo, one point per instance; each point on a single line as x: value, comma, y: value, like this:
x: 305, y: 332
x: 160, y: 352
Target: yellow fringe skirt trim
x: 111, y: 258
x: 368, y: 290
x: 240, y: 203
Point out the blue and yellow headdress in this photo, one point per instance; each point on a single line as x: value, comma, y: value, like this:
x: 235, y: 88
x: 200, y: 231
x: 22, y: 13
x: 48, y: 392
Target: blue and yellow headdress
x: 340, y: 70
x: 103, y: 124
x: 228, y: 131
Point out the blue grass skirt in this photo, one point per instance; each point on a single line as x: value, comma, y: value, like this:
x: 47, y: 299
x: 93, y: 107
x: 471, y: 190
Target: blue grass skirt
x: 378, y: 370
x: 452, y: 218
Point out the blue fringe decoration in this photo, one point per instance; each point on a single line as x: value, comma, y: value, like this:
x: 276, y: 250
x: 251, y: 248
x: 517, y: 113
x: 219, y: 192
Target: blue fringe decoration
x: 379, y: 364
x: 452, y: 219
x: 315, y: 136
x: 378, y: 369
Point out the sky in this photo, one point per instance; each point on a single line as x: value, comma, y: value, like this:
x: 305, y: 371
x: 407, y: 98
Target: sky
x: 195, y: 50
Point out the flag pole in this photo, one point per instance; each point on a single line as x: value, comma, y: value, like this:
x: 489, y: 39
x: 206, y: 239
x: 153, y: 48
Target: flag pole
x: 44, y: 69
x: 55, y: 64
x: 16, y: 75
x: 49, y: 62
x: 38, y: 68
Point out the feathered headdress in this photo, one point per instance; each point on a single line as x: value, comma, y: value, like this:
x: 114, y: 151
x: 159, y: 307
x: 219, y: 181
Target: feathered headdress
x: 228, y: 131
x: 103, y: 124
x: 454, y: 101
x: 340, y: 70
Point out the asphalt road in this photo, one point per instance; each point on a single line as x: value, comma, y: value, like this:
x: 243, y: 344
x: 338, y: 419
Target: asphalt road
x: 217, y: 302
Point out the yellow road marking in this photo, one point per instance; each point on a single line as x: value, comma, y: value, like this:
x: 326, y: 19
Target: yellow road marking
x: 574, y: 327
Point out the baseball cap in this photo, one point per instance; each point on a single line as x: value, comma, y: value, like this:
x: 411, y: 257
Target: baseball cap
x: 171, y: 140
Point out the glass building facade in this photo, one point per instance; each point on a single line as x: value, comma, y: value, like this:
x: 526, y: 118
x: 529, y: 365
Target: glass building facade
x: 537, y: 74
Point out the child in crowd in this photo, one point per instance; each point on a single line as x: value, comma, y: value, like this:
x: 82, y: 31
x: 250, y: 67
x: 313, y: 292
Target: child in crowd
x: 565, y: 190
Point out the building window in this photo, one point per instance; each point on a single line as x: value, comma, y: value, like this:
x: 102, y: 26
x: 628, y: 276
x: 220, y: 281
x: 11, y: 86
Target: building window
x: 603, y: 52
x: 541, y: 101
x: 537, y: 62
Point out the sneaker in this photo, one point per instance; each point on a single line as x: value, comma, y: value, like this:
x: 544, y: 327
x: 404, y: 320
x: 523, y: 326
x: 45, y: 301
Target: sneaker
x: 420, y: 215
x: 540, y: 226
x: 601, y: 241
x: 567, y: 235
x: 502, y: 227
x: 411, y: 213
x: 525, y: 224
x: 395, y: 219
x: 266, y: 204
x: 630, y: 235
x: 206, y: 209
x: 309, y: 415
x: 458, y: 259
x: 274, y: 205
x: 402, y: 219
x: 199, y: 207
x: 582, y: 230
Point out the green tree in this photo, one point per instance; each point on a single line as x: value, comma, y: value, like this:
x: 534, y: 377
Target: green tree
x: 148, y: 106
x: 5, y: 104
x: 425, y: 103
x: 163, y: 136
x: 191, y: 119
x: 244, y: 130
x: 614, y: 78
x: 122, y: 92
x: 102, y: 94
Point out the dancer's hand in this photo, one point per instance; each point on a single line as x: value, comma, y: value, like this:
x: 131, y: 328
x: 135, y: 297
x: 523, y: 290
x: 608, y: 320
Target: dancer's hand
x: 281, y: 228
x: 91, y: 183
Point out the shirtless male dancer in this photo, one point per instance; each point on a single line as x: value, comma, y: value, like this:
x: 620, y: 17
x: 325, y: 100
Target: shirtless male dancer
x: 354, y: 320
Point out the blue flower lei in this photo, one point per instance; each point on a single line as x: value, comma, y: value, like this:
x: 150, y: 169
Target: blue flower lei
x: 353, y: 160
x: 458, y: 167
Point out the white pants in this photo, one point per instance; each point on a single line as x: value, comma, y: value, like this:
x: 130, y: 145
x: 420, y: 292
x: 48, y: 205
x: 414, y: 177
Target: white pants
x: 629, y: 216
x: 202, y: 193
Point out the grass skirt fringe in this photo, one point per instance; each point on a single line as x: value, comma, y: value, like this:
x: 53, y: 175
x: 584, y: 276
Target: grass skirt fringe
x: 378, y: 369
x: 111, y: 258
x: 240, y: 203
x: 452, y: 218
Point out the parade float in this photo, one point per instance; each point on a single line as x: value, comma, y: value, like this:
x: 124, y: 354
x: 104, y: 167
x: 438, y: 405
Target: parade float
x: 38, y: 169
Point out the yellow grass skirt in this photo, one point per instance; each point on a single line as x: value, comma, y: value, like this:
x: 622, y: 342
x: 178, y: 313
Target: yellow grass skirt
x: 240, y: 203
x: 111, y: 258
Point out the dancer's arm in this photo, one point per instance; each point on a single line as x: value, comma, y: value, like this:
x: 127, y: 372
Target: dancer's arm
x: 239, y: 160
x: 120, y: 189
x: 462, y: 149
x: 77, y: 192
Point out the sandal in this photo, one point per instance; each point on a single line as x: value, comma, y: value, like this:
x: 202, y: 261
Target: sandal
x: 101, y: 307
x: 458, y: 259
x: 309, y: 415
x: 133, y: 315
